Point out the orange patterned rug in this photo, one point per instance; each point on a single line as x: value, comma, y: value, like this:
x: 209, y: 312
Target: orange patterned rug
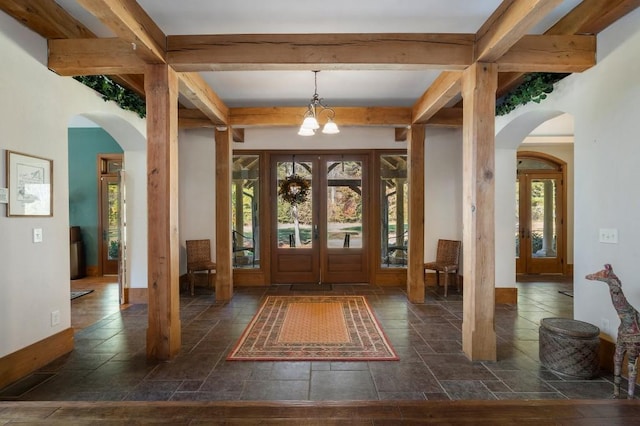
x: 313, y: 328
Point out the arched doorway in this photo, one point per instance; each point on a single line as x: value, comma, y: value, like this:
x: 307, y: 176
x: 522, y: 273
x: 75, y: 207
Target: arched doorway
x: 540, y: 214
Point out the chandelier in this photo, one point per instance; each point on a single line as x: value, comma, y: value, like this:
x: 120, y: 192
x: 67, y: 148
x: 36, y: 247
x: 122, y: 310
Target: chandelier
x: 315, y: 108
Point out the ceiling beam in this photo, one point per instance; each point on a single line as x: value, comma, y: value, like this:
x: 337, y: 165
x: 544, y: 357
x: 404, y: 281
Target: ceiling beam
x: 319, y: 51
x: 198, y: 92
x: 508, y: 24
x: 93, y: 56
x: 46, y: 18
x: 593, y: 16
x: 128, y: 20
x: 444, y: 88
x: 345, y: 116
x: 546, y: 53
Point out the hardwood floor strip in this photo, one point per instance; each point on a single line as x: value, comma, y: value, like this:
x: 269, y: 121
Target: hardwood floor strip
x: 539, y: 412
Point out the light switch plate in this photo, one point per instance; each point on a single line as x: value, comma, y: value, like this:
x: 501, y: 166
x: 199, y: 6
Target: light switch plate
x: 37, y: 235
x: 608, y: 235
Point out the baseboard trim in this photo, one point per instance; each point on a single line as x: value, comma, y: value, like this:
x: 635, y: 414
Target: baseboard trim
x: 25, y: 361
x: 136, y: 295
x: 506, y: 295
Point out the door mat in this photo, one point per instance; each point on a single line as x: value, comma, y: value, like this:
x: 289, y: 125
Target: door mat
x: 313, y: 328
x: 311, y: 287
x: 79, y: 293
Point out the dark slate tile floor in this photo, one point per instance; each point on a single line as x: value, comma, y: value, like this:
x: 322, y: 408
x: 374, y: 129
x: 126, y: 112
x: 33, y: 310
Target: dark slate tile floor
x: 109, y: 361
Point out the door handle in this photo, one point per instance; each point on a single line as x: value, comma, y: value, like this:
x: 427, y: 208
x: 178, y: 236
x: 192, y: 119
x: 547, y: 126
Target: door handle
x: 316, y: 235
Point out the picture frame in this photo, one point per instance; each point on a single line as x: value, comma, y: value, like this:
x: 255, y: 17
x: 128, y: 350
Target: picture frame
x: 30, y: 182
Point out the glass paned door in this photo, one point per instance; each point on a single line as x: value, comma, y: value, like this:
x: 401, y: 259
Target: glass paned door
x: 320, y: 220
x: 539, y: 223
x: 394, y: 208
x: 110, y: 189
x: 245, y: 196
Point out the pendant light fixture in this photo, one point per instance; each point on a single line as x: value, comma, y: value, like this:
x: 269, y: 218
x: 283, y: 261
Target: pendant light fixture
x: 315, y: 108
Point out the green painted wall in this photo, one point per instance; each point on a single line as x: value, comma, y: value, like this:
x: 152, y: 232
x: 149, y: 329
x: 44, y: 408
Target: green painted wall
x: 84, y: 146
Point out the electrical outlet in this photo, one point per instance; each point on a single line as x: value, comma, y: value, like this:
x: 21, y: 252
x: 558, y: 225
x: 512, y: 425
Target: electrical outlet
x: 608, y: 235
x: 55, y: 318
x: 37, y: 235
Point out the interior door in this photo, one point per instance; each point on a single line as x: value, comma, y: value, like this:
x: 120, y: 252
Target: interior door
x: 321, y: 239
x: 110, y: 223
x: 539, y: 245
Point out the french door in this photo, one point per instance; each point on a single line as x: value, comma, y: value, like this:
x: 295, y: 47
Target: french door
x: 321, y: 236
x: 539, y: 236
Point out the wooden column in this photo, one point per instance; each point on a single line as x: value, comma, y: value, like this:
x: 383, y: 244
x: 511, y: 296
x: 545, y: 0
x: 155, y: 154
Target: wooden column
x: 415, y: 261
x: 224, y: 270
x: 163, y: 333
x: 479, y: 83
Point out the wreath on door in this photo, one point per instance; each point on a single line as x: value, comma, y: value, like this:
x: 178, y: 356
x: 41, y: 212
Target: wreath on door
x: 294, y: 189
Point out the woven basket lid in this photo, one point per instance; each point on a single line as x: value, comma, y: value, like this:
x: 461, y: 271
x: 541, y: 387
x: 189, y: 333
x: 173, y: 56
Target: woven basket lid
x: 570, y: 327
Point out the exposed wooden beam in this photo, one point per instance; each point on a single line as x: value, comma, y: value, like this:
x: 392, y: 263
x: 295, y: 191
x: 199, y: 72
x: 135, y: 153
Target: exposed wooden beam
x: 593, y: 16
x: 93, y: 56
x: 345, y: 116
x: 415, y: 172
x: 46, y: 18
x: 479, y: 84
x: 134, y: 82
x: 163, y: 332
x: 319, y: 51
x: 512, y: 20
x: 237, y: 135
x: 198, y: 92
x: 445, y: 87
x: 129, y: 21
x: 401, y: 133
x: 446, y: 117
x: 223, y: 163
x: 191, y: 118
x: 547, y: 53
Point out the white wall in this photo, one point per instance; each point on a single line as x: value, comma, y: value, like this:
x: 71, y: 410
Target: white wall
x: 35, y: 107
x: 604, y: 102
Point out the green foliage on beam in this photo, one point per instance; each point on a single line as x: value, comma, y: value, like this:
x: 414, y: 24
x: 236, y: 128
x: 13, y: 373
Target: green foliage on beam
x: 112, y: 91
x: 534, y: 88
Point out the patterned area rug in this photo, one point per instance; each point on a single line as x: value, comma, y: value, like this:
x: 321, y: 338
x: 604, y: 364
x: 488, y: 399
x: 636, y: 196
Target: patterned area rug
x: 313, y: 328
x: 79, y: 293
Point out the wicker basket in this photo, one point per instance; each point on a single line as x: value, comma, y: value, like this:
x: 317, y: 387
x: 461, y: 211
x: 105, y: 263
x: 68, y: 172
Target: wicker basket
x: 569, y: 347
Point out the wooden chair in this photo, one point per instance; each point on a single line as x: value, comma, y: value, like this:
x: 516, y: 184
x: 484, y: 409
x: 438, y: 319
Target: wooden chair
x: 447, y: 261
x: 242, y: 243
x: 199, y: 259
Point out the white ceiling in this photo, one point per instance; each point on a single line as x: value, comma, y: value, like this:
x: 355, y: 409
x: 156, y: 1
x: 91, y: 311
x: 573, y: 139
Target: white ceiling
x: 338, y: 88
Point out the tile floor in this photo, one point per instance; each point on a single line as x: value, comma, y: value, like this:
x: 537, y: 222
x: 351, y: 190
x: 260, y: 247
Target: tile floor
x: 109, y: 361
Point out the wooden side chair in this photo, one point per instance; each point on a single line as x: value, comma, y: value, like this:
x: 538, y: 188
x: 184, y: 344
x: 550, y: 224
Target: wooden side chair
x: 447, y: 261
x: 199, y: 259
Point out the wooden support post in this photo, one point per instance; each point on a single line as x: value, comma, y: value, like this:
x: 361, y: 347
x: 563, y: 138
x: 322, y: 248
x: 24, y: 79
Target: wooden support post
x: 224, y: 270
x: 479, y: 83
x: 415, y: 261
x: 163, y: 333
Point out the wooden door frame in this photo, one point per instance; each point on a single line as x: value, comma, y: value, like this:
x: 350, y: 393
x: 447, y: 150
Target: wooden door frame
x: 561, y: 245
x: 102, y: 160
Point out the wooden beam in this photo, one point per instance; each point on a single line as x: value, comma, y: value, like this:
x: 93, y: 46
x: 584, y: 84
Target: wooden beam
x: 447, y: 117
x: 401, y: 134
x: 93, y: 56
x: 198, y: 92
x: 129, y: 21
x: 512, y: 20
x: 189, y: 118
x: 593, y: 16
x: 163, y: 243
x: 479, y: 84
x: 444, y: 88
x: 46, y: 18
x: 237, y: 135
x: 547, y: 53
x: 319, y: 51
x: 345, y: 116
x: 415, y: 261
x: 224, y: 271
x: 135, y: 82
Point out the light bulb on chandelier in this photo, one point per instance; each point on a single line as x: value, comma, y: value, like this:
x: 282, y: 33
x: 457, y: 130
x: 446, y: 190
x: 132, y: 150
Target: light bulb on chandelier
x: 316, y: 108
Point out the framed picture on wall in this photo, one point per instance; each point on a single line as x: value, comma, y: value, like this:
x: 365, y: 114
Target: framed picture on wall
x: 30, y: 182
